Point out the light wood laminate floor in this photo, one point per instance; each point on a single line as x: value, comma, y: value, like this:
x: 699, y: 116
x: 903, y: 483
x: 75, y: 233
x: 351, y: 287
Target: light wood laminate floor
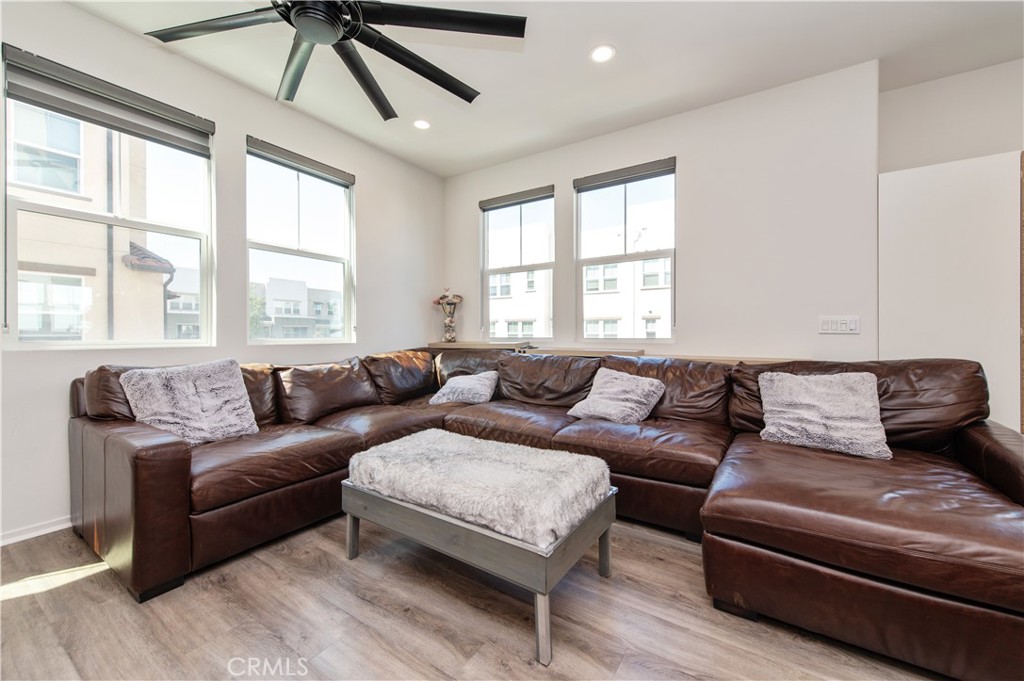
x: 399, y: 611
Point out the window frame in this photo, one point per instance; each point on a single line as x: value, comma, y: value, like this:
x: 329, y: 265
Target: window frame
x: 16, y: 205
x: 624, y: 176
x: 517, y: 199
x: 300, y: 164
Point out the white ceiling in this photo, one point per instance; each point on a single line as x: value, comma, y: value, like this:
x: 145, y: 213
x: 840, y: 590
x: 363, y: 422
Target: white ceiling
x: 543, y: 92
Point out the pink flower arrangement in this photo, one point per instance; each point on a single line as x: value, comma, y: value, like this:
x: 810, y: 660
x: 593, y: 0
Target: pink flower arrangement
x: 447, y: 298
x: 448, y: 302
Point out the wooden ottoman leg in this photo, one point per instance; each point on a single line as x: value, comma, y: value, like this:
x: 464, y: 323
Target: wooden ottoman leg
x: 352, y: 536
x: 604, y: 551
x: 542, y: 615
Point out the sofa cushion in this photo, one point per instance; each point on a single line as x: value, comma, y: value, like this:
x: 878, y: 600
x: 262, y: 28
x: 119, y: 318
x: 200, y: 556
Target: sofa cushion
x: 552, y: 380
x: 312, y: 391
x: 669, y: 450
x: 198, y: 402
x: 402, y: 375
x: 509, y: 421
x: 470, y: 389
x: 466, y: 362
x: 838, y: 412
x: 379, y: 423
x: 259, y: 383
x: 693, y: 390
x: 104, y: 396
x: 922, y: 402
x: 231, y: 470
x: 620, y: 397
x: 917, y: 519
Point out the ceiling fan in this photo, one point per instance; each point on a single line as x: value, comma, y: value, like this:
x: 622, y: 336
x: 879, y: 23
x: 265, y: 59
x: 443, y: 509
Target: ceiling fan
x: 340, y: 22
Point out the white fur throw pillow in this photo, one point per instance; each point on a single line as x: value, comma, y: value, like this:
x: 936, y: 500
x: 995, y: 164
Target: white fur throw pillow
x: 620, y: 397
x: 837, y: 412
x: 474, y: 388
x: 198, y: 402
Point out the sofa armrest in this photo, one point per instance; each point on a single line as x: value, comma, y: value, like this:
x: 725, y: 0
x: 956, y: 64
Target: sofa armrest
x: 136, y: 494
x: 996, y: 454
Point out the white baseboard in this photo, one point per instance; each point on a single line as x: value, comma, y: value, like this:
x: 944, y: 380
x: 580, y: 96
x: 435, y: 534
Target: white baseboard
x: 14, y: 536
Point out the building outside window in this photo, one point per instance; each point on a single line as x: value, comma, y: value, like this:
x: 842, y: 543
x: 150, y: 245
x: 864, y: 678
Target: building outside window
x: 300, y: 233
x: 625, y: 250
x: 651, y: 327
x: 518, y: 263
x: 108, y: 230
x: 601, y: 328
x: 188, y: 330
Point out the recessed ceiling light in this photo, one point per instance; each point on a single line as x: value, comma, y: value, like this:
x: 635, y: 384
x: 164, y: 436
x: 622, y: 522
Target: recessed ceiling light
x: 602, y: 53
x: 421, y: 124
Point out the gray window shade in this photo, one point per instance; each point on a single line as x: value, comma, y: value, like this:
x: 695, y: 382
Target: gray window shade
x: 519, y: 197
x: 298, y: 162
x: 664, y: 166
x: 47, y: 84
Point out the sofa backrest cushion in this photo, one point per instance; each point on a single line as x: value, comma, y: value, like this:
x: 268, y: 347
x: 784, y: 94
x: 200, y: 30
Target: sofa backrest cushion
x: 451, y: 363
x: 923, y: 402
x: 402, y: 375
x: 313, y: 391
x: 557, y: 380
x: 698, y: 391
x: 105, y: 398
x: 259, y: 383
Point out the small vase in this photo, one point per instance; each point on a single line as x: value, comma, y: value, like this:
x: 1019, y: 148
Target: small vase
x: 449, y: 330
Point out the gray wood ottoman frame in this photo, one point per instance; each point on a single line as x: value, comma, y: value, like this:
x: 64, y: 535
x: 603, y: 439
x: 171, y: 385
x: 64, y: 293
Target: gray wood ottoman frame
x: 528, y: 566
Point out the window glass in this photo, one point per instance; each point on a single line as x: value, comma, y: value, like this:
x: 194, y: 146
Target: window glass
x: 625, y: 298
x: 650, y: 214
x: 528, y: 309
x: 601, y: 218
x: 300, y: 230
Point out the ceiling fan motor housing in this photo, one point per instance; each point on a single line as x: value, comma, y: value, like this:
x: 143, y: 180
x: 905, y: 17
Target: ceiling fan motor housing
x: 319, y: 22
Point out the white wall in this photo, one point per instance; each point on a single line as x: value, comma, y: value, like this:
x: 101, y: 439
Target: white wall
x: 398, y: 227
x: 775, y: 219
x: 949, y: 269
x: 971, y: 114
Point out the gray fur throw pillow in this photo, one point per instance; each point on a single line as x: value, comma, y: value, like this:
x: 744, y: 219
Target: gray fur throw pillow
x: 198, y: 402
x: 837, y: 412
x: 620, y: 397
x: 474, y: 389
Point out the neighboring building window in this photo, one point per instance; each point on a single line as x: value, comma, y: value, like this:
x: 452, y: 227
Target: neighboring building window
x: 625, y: 248
x: 46, y: 149
x: 299, y: 224
x: 108, y: 231
x: 601, y: 328
x: 519, y: 329
x: 493, y: 330
x: 189, y: 331
x: 519, y: 234
x: 500, y: 285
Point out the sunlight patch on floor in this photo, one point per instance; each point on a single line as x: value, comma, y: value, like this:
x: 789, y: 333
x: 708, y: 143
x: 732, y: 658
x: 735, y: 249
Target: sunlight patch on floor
x: 50, y: 580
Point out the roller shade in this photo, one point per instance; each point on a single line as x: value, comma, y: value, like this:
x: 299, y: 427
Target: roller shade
x: 276, y: 154
x: 47, y: 84
x: 643, y: 171
x: 536, y: 194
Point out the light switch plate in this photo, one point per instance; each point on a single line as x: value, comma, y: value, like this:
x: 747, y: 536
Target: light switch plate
x: 840, y: 325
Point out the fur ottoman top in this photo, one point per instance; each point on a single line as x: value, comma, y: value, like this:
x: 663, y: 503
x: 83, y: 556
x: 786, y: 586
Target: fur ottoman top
x: 534, y: 495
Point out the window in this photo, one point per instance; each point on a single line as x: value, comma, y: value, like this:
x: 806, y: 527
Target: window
x: 625, y: 249
x: 518, y: 267
x: 109, y: 216
x: 299, y: 224
x: 601, y: 328
x: 519, y: 329
x: 500, y: 285
x: 46, y: 148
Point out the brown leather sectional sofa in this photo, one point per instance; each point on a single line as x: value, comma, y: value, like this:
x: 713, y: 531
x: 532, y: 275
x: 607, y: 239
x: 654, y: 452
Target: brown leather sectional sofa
x: 920, y: 557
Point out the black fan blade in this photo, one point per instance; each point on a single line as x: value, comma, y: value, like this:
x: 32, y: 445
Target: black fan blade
x: 442, y: 19
x: 347, y: 51
x: 198, y: 28
x: 296, y: 66
x: 376, y: 40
